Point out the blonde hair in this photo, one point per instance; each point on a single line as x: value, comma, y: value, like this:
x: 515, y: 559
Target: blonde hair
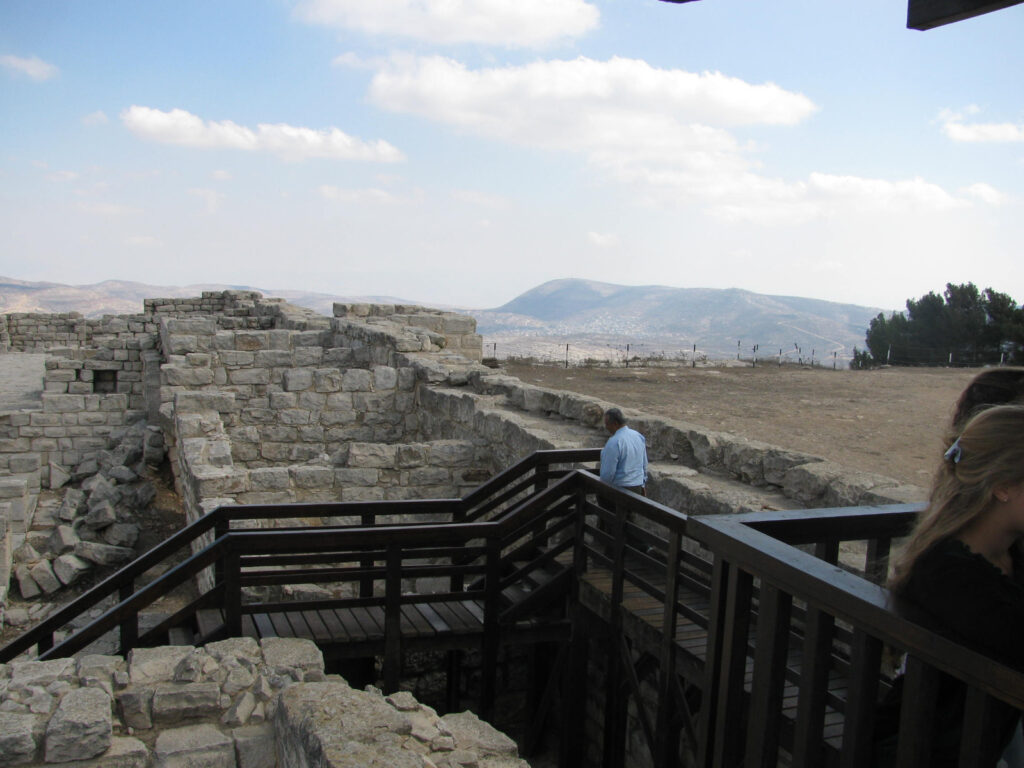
x: 990, y: 456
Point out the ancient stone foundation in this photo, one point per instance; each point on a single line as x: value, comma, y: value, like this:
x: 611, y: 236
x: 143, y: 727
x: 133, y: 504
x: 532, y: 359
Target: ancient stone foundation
x: 257, y: 401
x: 230, y: 704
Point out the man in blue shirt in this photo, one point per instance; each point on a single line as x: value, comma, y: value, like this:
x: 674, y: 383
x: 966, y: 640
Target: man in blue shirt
x: 624, y: 456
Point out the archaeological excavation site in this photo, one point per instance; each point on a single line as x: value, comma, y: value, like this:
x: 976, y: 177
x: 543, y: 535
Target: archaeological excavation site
x: 234, y: 532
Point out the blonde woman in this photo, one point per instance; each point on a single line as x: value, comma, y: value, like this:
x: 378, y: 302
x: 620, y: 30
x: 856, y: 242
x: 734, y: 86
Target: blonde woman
x: 961, y: 572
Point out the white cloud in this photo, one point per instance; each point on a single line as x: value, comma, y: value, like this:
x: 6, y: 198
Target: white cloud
x: 342, y: 195
x: 210, y: 197
x: 107, y: 209
x: 954, y: 126
x: 881, y: 194
x: 142, y: 241
x: 64, y: 176
x: 292, y: 142
x: 99, y: 117
x: 985, y: 193
x: 32, y: 67
x: 669, y: 133
x: 602, y: 240
x: 510, y: 23
x: 482, y: 199
x: 221, y: 175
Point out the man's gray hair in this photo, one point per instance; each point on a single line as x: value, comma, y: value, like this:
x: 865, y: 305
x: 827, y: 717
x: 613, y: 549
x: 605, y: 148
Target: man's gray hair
x: 615, y: 416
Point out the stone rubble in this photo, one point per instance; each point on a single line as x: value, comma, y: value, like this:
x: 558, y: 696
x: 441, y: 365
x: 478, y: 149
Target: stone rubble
x: 232, y: 704
x: 93, y: 524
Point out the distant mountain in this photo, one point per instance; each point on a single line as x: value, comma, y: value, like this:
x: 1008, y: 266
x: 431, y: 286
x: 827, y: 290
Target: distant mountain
x: 590, y: 315
x: 676, y: 318
x: 118, y: 297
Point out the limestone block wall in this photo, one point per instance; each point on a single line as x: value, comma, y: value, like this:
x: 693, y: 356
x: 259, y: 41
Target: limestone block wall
x: 296, y: 396
x: 451, y: 331
x: 5, y: 336
x: 685, y: 455
x: 37, y: 332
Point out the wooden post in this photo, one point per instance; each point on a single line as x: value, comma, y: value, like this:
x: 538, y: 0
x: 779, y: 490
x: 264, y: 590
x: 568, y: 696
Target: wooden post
x: 367, y: 520
x: 810, y: 717
x: 220, y: 529
x: 393, y: 619
x: 769, y: 677
x: 667, y: 734
x: 130, y: 624
x: 492, y: 629
x: 615, y: 702
x: 858, y: 730
x: 232, y: 590
x: 729, y: 731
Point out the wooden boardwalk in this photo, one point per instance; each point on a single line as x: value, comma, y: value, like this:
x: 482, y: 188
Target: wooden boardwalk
x: 760, y: 654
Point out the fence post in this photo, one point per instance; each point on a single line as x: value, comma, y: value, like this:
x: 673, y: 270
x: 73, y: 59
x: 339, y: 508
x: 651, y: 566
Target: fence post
x: 129, y: 625
x: 492, y: 629
x: 693, y: 357
x: 232, y: 588
x: 393, y: 618
x: 566, y: 355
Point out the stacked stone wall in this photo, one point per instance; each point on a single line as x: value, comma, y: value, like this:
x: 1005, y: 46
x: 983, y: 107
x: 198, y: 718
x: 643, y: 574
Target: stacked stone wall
x: 37, y: 332
x: 231, y: 704
x: 449, y: 330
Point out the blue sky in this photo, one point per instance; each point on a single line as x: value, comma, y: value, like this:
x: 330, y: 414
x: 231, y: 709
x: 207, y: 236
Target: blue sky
x: 463, y: 151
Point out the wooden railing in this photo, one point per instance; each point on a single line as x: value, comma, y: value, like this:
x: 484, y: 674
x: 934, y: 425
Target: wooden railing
x: 772, y: 603
x: 215, y: 538
x: 773, y: 616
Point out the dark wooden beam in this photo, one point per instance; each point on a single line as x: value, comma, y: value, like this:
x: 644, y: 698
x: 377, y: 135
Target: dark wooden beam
x: 927, y: 14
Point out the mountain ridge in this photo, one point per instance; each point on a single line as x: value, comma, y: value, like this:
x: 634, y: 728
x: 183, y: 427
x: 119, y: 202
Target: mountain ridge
x: 716, y: 321
x: 589, y: 314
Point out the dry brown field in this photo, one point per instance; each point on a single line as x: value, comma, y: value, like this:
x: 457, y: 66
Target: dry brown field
x: 890, y: 421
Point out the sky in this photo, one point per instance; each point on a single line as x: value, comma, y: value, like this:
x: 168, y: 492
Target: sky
x: 460, y: 152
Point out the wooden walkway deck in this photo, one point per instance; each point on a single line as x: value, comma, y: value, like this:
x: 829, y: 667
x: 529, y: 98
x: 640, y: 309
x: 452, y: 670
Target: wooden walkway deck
x: 763, y: 654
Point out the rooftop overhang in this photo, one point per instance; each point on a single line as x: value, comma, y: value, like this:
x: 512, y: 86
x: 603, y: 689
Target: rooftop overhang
x: 927, y: 14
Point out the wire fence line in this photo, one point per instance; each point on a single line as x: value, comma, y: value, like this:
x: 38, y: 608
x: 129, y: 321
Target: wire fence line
x: 911, y: 355
x: 641, y: 355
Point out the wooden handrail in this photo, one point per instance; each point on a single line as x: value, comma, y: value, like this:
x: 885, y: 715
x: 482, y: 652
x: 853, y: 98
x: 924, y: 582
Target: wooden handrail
x: 220, y: 519
x: 849, y: 597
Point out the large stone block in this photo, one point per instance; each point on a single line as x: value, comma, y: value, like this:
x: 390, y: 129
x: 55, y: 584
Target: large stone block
x: 187, y: 377
x: 18, y: 738
x: 156, y: 665
x: 103, y: 554
x: 357, y: 380
x: 194, y: 746
x: 173, y: 702
x: 269, y: 479
x: 255, y: 746
x: 312, y: 477
x: 371, y: 455
x: 327, y: 380
x: 42, y: 573
x: 283, y: 654
x: 298, y: 379
x: 81, y: 727
x: 246, y: 376
x: 69, y: 568
x: 56, y: 403
x: 124, y: 752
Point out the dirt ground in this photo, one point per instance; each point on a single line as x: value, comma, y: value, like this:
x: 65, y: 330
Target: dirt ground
x: 889, y: 421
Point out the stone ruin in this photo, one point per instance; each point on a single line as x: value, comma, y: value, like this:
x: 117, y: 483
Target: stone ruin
x: 253, y: 400
x: 231, y: 703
